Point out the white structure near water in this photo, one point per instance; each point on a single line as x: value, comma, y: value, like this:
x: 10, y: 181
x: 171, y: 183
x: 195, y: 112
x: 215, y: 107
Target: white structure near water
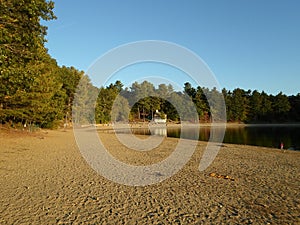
x: 159, y: 118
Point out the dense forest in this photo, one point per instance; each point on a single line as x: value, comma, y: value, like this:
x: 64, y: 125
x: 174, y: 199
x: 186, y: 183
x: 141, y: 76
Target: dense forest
x: 36, y: 92
x: 241, y: 106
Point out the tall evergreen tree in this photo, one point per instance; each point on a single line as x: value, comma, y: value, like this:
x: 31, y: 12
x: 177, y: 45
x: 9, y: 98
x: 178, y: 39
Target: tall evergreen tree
x: 281, y: 107
x: 255, y: 109
x: 266, y: 110
x: 239, y: 105
x: 294, y: 113
x: 105, y: 101
x: 84, y: 104
x: 30, y: 91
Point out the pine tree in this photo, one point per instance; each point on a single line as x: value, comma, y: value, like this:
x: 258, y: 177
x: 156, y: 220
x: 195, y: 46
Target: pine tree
x: 30, y: 91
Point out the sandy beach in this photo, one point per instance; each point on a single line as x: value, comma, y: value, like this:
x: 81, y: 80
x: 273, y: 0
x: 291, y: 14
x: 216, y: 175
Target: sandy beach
x: 45, y: 180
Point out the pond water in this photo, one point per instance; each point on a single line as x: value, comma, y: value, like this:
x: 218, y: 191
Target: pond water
x: 258, y: 135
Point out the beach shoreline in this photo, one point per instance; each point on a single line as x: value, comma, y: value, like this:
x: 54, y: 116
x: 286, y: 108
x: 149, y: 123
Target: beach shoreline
x: 45, y: 179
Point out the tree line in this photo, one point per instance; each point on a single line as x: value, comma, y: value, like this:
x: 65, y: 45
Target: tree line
x: 141, y: 100
x: 35, y: 91
x: 249, y: 106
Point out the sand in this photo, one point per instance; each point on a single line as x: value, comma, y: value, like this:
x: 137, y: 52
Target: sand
x: 45, y: 180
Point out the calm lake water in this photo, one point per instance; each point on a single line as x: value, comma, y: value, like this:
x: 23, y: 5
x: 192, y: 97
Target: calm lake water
x: 258, y: 135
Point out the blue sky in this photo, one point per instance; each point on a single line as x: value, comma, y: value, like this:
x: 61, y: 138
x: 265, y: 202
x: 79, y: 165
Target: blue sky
x: 247, y: 44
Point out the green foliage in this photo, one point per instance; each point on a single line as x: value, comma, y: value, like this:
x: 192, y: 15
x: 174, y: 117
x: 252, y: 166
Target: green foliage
x: 69, y: 77
x: 294, y: 113
x: 22, y: 35
x: 241, y: 106
x: 238, y: 105
x: 143, y: 99
x: 120, y: 109
x: 104, y: 105
x: 33, y: 89
x: 83, y: 110
x: 27, y: 85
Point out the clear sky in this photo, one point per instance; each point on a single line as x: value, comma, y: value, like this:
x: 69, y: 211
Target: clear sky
x: 248, y: 44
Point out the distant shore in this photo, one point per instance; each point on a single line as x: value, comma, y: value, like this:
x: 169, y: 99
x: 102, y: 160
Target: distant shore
x: 229, y: 124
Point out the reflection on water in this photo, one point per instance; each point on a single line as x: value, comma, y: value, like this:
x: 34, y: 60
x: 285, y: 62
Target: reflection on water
x: 259, y: 135
x: 161, y: 131
x: 268, y: 136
